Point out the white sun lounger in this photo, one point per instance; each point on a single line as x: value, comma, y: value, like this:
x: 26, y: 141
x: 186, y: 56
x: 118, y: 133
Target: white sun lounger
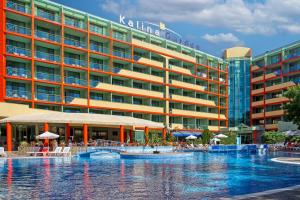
x: 34, y: 151
x: 2, y: 152
x: 56, y: 152
x: 66, y: 152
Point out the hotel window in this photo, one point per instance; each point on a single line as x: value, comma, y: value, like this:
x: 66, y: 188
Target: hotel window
x: 137, y: 85
x: 117, y: 82
x: 155, y: 103
x: 97, y: 29
x: 96, y: 96
x: 118, y: 113
x: 45, y: 90
x: 156, y: 118
x: 137, y: 101
x: 116, y: 98
x: 138, y: 115
x: 155, y: 88
x: 46, y: 14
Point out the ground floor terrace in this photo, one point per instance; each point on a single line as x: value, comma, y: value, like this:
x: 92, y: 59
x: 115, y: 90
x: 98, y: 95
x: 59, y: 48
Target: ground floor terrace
x: 78, y: 128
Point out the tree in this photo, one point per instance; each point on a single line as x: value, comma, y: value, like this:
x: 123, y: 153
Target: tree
x: 273, y: 137
x: 292, y: 108
x: 231, y: 138
x: 206, y: 136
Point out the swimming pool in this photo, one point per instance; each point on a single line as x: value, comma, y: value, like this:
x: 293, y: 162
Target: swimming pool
x: 204, y: 175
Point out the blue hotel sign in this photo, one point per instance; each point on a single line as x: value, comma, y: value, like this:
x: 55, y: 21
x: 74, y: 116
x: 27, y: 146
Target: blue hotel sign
x: 159, y: 30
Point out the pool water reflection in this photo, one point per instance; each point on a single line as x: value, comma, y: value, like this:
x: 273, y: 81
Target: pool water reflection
x: 205, y: 175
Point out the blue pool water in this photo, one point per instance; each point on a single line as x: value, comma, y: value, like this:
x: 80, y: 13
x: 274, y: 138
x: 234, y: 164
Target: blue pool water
x: 202, y: 176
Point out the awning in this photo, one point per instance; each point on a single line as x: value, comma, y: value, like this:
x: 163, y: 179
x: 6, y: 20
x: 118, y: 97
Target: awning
x: 186, y: 133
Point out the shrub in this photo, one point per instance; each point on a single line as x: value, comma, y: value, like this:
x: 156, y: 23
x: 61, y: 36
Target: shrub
x: 273, y: 137
x: 206, y: 136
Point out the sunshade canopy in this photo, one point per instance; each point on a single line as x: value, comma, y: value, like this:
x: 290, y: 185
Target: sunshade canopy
x: 82, y: 118
x: 221, y: 136
x: 47, y: 135
x: 191, y: 137
x: 186, y: 133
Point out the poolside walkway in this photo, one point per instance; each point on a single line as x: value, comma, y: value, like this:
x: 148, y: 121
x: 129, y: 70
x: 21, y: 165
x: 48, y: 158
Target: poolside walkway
x: 289, y: 193
x: 287, y: 160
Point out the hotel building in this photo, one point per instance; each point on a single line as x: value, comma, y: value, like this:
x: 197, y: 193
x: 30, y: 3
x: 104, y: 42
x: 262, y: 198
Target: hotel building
x: 271, y: 75
x: 57, y: 58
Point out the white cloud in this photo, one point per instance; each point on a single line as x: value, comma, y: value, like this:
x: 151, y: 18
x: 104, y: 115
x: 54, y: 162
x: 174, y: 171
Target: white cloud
x: 222, y: 38
x: 250, y: 17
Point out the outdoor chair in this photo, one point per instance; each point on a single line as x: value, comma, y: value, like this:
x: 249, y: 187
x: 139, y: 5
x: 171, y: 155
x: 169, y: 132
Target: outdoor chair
x: 66, y: 152
x: 56, y: 152
x: 34, y: 151
x: 2, y: 152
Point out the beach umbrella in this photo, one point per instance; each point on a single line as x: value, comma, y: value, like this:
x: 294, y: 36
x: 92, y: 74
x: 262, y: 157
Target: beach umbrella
x: 47, y: 135
x: 289, y: 133
x: 215, y: 140
x: 221, y: 136
x: 191, y: 137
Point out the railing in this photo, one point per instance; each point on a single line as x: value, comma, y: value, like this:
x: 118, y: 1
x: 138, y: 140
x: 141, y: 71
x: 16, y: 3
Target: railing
x: 99, y: 48
x: 122, y: 54
x: 18, y: 29
x: 94, y: 83
x: 74, y: 23
x: 215, y: 90
x: 18, y: 71
x: 47, y: 56
x: 48, y: 97
x: 69, y: 99
x: 120, y: 37
x: 18, y: 50
x: 96, y: 29
x: 74, y: 62
x: 294, y: 68
x: 213, y: 78
x: 20, y: 94
x: 75, y: 81
x: 99, y: 66
x: 47, y: 36
x: 75, y: 43
x: 116, y: 70
x: 46, y: 15
x: 292, y: 55
x: 204, y: 75
x: 107, y: 143
x: 17, y: 7
x: 48, y: 77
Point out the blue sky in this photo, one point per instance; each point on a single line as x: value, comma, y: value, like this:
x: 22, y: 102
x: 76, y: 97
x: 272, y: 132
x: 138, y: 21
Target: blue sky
x: 212, y: 24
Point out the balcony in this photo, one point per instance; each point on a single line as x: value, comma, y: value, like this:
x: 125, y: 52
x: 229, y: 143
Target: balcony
x: 137, y: 75
x: 47, y: 56
x: 257, y: 91
x: 273, y: 74
x: 48, y: 77
x: 271, y: 126
x: 18, y: 72
x: 163, y: 50
x: 75, y: 81
x: 180, y: 69
x: 98, y: 66
x: 277, y: 100
x: 118, y: 88
x: 192, y: 100
x: 201, y: 74
x: 121, y: 54
x: 274, y: 113
x: 96, y: 29
x: 75, y: 43
x: 18, y: 29
x: 148, y: 61
x: 257, y: 115
x: 197, y: 114
x: 125, y: 106
x: 256, y: 79
x: 47, y: 36
x: 74, y: 23
x: 294, y: 68
x: 18, y: 51
x: 280, y: 86
x: 292, y: 55
x: 75, y: 62
x: 187, y: 85
x: 48, y: 16
x: 18, y: 94
x: 48, y: 97
x: 75, y: 100
x: 258, y: 103
x: 213, y: 128
x: 18, y: 7
x: 120, y: 37
x: 99, y: 49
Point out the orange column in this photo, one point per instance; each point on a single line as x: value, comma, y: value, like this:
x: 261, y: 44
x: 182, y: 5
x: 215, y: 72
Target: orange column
x: 9, y: 136
x: 68, y: 131
x: 146, y: 135
x: 46, y: 128
x: 164, y: 134
x: 85, y: 134
x: 122, y: 134
x: 131, y: 135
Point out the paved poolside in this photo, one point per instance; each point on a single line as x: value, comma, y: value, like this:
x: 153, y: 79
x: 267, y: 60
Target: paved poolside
x: 287, y: 160
x: 289, y: 193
